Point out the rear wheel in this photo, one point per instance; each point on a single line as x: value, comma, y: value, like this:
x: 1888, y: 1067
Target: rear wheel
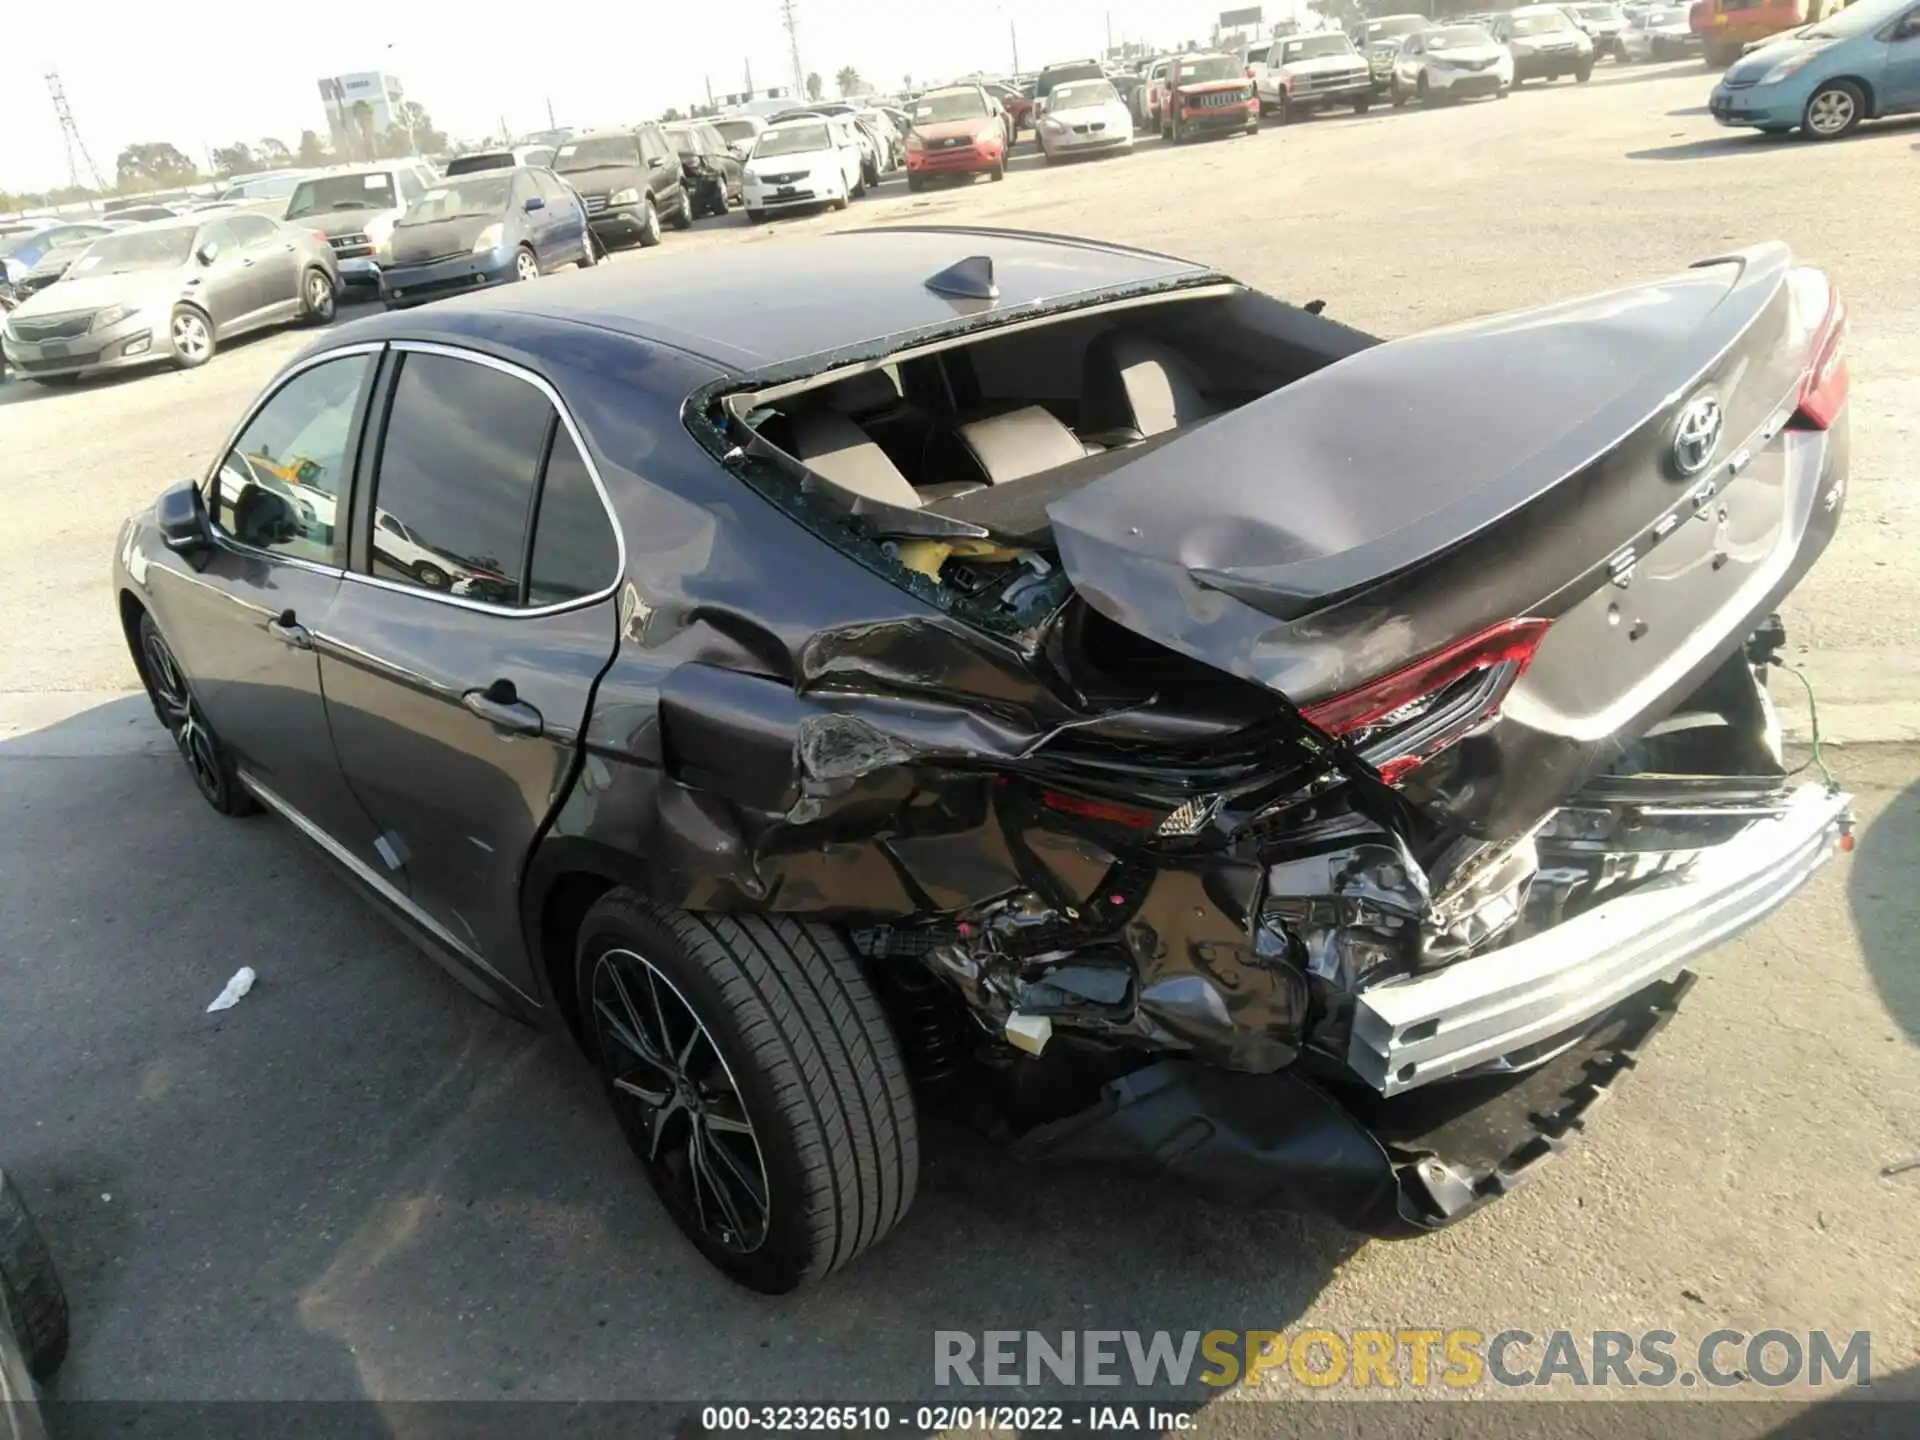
x: 34, y: 1300
x: 756, y: 1078
x: 683, y: 216
x: 209, y: 762
x: 1424, y: 90
x: 1835, y: 109
x: 526, y: 266
x: 1286, y: 111
x: 589, y: 251
x: 192, y: 335
x: 1363, y: 104
x: 1395, y: 96
x: 915, y: 183
x: 1583, y: 74
x: 318, y: 302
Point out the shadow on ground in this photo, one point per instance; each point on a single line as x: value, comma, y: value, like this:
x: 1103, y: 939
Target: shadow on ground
x: 1886, y: 907
x: 360, y: 1182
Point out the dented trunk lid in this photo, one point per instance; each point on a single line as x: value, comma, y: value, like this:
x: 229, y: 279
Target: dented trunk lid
x: 1425, y: 489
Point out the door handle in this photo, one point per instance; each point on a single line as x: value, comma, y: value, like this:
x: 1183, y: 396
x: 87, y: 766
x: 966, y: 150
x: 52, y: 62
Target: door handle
x: 501, y: 707
x: 286, y: 628
x: 246, y: 264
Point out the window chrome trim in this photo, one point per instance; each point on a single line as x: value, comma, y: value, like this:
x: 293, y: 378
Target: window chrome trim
x: 486, y: 607
x: 280, y: 382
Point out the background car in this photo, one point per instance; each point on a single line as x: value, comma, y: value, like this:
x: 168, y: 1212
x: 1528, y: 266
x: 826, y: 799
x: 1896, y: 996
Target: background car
x: 1861, y: 64
x: 630, y: 180
x: 1017, y: 103
x: 739, y: 131
x: 1544, y: 44
x: 958, y: 131
x: 354, y: 209
x: 1056, y: 74
x: 23, y: 251
x: 33, y: 1317
x: 1660, y: 32
x: 1448, y: 63
x: 484, y: 228
x: 1605, y: 25
x: 1379, y: 40
x: 1208, y: 95
x: 803, y: 163
x: 506, y: 159
x: 1084, y: 117
x: 712, y: 172
x: 1150, y: 98
x: 171, y: 291
x: 1727, y: 28
x: 1306, y: 72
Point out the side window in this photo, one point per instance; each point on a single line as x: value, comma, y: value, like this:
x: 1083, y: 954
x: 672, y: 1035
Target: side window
x: 252, y: 229
x: 411, y: 188
x: 279, y: 487
x: 456, y: 473
x: 574, y: 550
x: 219, y: 234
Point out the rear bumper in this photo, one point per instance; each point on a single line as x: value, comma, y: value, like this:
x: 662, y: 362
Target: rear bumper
x: 1410, y: 1032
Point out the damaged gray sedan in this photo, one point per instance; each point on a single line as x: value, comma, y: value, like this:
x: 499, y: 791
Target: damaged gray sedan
x: 944, y: 667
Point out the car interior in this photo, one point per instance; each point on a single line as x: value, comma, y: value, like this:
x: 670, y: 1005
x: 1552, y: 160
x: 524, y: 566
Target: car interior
x: 992, y: 430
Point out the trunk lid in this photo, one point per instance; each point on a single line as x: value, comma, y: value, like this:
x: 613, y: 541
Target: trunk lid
x: 1427, y: 489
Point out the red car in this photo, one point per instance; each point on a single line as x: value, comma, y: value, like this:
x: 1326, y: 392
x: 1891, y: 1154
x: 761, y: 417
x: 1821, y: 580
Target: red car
x: 1208, y: 95
x: 1017, y: 104
x: 958, y: 131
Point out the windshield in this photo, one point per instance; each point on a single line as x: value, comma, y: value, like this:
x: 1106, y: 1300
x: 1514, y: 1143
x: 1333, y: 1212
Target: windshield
x: 485, y: 160
x: 1856, y: 19
x: 1087, y: 71
x: 593, y: 154
x: 1210, y: 67
x: 1313, y: 47
x: 482, y: 194
x: 680, y: 137
x: 13, y: 244
x: 342, y: 192
x: 735, y: 130
x: 136, y: 250
x: 1395, y: 27
x: 1596, y: 12
x: 1543, y: 23
x: 954, y: 105
x: 792, y: 140
x: 1457, y: 37
x: 1083, y: 92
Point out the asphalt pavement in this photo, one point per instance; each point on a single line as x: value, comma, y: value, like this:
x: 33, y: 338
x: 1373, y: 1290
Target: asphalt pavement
x: 360, y: 1183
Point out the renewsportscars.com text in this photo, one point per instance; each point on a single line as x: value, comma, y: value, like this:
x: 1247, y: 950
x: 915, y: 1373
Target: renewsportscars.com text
x: 1456, y: 1359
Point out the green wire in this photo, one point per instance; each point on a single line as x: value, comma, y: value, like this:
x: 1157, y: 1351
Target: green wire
x: 1813, y: 724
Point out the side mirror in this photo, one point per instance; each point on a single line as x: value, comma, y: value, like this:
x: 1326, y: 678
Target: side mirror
x: 534, y: 202
x: 655, y: 163
x: 208, y: 253
x: 180, y: 515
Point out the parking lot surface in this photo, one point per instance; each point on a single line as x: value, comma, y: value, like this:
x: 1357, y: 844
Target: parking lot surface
x: 359, y: 1182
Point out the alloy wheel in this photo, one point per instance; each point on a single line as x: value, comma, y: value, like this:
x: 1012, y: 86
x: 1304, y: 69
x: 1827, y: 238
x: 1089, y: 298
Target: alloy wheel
x: 525, y: 266
x: 678, y: 1100
x: 191, y: 339
x: 1830, y: 112
x: 182, y: 716
x: 319, y: 297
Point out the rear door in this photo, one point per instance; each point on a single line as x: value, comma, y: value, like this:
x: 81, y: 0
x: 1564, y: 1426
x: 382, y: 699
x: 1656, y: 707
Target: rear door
x: 268, y: 251
x: 224, y: 286
x: 456, y: 704
x: 1901, y: 82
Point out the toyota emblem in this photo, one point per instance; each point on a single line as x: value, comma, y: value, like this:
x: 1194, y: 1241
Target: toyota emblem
x: 1698, y: 435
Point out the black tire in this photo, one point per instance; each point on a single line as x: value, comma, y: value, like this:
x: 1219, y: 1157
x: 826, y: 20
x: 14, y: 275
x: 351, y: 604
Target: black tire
x: 1394, y: 97
x: 805, y: 1058
x: 190, y: 354
x: 589, y: 252
x: 757, y: 217
x: 1583, y: 74
x: 1838, y: 98
x: 1286, y: 111
x: 1362, y: 105
x: 650, y: 225
x: 209, y: 762
x: 999, y: 171
x: 35, y: 1301
x: 1518, y: 80
x: 683, y: 217
x: 319, y: 297
x: 1424, y: 91
x: 915, y: 182
x: 431, y: 576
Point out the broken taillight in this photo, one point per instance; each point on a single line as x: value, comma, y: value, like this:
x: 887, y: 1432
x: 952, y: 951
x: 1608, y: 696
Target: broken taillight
x: 1402, y: 720
x: 1823, y: 393
x: 1110, y: 812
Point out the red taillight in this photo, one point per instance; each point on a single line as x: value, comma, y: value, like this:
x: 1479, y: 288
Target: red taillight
x: 1823, y: 394
x: 1109, y: 811
x: 1432, y: 719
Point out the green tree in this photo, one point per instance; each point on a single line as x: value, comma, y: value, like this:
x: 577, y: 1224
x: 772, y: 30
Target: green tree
x: 234, y: 159
x: 417, y: 125
x: 153, y: 165
x: 362, y: 113
x: 814, y: 85
x: 849, y: 83
x: 272, y: 153
x: 669, y: 115
x: 313, y: 150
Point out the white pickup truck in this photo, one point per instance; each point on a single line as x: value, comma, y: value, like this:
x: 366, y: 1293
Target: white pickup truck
x: 1306, y: 72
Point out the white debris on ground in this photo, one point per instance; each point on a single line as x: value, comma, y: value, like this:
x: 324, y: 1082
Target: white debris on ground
x: 239, y: 985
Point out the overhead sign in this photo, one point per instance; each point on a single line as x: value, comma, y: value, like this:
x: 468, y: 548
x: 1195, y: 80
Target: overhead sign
x: 1239, y: 19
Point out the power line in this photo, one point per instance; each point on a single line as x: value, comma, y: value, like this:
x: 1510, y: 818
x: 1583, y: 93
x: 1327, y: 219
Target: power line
x: 791, y: 20
x: 70, y: 132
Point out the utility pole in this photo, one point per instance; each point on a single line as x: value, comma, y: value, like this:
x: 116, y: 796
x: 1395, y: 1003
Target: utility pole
x: 506, y: 135
x: 1109, y: 33
x: 709, y: 82
x: 1013, y: 30
x: 749, y: 79
x: 70, y: 133
x: 550, y: 121
x: 791, y: 20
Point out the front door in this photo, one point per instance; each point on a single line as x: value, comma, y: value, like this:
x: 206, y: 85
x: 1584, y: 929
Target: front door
x: 457, y: 703
x: 223, y: 281
x: 1901, y: 85
x: 242, y: 624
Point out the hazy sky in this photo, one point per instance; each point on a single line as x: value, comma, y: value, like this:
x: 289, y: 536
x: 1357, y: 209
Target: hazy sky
x: 203, y: 77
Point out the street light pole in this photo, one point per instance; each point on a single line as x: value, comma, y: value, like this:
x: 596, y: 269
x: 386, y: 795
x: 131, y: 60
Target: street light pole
x: 1013, y: 30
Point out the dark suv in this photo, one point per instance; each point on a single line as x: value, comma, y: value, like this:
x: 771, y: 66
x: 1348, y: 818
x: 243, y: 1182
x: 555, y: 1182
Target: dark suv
x: 630, y: 180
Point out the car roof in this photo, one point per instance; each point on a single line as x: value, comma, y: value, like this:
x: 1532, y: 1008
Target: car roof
x: 800, y: 298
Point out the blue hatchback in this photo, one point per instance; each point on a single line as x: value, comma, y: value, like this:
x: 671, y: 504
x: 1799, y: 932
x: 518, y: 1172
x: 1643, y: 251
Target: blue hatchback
x: 492, y: 227
x: 1862, y: 63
